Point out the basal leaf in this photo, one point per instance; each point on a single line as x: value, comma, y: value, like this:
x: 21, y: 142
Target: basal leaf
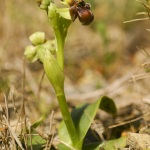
x: 83, y: 117
x: 91, y: 146
x: 63, y: 147
x: 63, y: 133
x: 37, y: 142
x: 37, y: 123
x: 108, y: 105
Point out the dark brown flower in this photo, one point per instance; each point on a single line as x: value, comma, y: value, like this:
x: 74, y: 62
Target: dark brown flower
x: 82, y: 11
x: 85, y: 16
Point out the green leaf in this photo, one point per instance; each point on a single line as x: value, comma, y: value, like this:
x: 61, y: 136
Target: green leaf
x: 37, y: 123
x: 63, y: 134
x: 37, y: 142
x: 108, y: 105
x: 54, y: 72
x: 63, y: 147
x: 83, y: 117
x: 91, y: 146
x: 114, y: 144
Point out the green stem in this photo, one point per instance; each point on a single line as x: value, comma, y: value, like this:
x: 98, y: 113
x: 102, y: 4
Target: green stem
x: 60, y: 49
x: 67, y: 118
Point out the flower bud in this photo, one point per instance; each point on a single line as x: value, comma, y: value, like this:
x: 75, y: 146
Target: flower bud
x: 37, y: 38
x: 31, y: 53
x: 41, y: 49
x: 43, y: 4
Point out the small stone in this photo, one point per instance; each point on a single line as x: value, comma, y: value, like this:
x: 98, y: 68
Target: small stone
x: 137, y: 141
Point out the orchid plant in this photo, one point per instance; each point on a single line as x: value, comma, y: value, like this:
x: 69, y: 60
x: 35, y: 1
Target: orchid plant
x: 75, y: 126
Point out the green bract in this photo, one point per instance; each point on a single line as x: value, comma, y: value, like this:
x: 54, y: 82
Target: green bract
x: 54, y: 72
x: 60, y: 26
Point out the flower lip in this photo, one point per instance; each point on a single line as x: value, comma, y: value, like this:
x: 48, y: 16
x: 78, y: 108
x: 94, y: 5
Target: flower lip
x: 85, y: 16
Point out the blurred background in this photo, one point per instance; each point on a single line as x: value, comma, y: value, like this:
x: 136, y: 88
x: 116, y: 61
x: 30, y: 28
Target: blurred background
x: 99, y: 58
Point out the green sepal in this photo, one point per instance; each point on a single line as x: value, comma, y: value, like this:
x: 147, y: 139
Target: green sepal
x: 54, y: 72
x: 64, y: 12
